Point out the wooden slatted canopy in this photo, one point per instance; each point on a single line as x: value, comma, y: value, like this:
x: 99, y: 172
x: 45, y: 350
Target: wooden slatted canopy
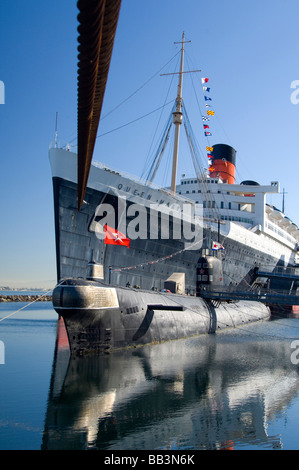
x: 97, y: 27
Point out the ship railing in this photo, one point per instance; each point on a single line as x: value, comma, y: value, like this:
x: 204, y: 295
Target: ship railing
x: 280, y: 271
x: 268, y: 296
x: 245, y: 289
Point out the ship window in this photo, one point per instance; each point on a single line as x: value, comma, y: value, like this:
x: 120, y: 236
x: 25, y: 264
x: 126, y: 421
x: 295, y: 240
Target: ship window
x: 193, y: 191
x: 222, y: 205
x: 187, y: 192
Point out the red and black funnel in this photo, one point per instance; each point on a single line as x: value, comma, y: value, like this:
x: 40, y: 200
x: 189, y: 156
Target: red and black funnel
x: 223, y: 163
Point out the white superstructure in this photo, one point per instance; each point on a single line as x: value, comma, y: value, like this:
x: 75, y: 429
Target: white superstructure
x: 244, y: 204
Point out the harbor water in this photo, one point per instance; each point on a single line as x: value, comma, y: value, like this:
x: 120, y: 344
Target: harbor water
x: 235, y: 390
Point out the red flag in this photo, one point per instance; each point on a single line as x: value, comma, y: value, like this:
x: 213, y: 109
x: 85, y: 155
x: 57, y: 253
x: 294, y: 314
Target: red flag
x: 206, y: 127
x: 113, y: 237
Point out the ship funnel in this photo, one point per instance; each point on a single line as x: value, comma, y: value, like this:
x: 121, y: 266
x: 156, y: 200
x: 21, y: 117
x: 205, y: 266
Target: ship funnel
x: 223, y: 163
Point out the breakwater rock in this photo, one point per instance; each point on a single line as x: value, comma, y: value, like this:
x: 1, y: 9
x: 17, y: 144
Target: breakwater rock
x: 25, y: 298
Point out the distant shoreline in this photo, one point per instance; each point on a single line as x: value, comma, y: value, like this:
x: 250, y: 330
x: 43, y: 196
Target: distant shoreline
x: 25, y: 298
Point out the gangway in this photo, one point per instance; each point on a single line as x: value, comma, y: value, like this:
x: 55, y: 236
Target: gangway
x: 279, y: 272
x: 277, y: 297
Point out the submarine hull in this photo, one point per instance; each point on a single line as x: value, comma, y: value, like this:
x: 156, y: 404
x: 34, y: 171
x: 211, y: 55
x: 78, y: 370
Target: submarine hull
x: 100, y: 318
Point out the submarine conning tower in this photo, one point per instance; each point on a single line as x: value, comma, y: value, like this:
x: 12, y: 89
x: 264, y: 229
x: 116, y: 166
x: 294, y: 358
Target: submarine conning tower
x: 224, y: 163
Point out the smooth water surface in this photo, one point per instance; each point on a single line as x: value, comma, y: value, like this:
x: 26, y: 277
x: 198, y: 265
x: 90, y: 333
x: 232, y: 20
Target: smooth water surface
x: 234, y: 390
x: 29, y: 342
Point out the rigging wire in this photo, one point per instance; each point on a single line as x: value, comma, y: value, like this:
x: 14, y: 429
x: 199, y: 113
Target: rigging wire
x: 231, y: 212
x: 219, y: 124
x: 194, y: 150
x: 167, y: 171
x: 139, y: 88
x: 30, y: 303
x: 135, y: 120
x: 152, y: 174
x: 160, y: 151
x: 148, y: 158
x: 128, y: 98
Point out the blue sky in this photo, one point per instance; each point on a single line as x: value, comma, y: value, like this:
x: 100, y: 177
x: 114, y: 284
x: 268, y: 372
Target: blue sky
x: 248, y: 50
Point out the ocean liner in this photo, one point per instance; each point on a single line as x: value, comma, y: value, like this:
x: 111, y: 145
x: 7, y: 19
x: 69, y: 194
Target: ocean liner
x: 133, y: 258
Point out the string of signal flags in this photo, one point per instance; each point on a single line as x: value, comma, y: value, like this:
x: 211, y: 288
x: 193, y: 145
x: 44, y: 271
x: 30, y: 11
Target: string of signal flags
x: 206, y: 119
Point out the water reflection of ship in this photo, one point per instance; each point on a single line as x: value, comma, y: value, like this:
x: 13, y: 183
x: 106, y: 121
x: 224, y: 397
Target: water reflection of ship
x: 200, y: 393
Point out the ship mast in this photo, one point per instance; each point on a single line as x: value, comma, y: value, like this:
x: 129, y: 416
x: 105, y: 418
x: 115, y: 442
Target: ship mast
x: 178, y: 115
x: 177, y: 120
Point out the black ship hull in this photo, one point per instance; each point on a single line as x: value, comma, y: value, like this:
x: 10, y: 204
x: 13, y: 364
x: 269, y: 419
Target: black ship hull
x: 149, y: 262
